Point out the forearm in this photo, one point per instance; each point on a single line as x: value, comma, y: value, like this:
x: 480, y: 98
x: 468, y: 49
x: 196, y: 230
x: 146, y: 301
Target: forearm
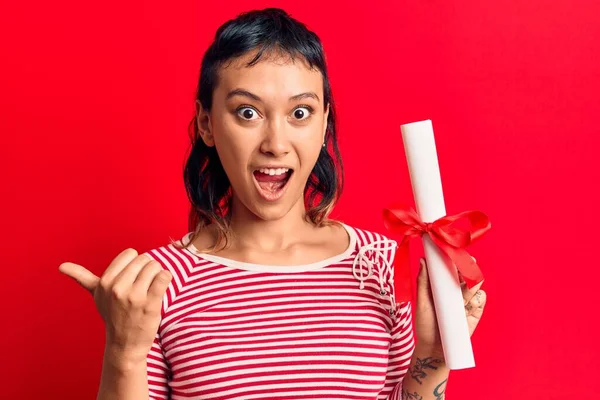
x: 122, y: 379
x: 427, y: 376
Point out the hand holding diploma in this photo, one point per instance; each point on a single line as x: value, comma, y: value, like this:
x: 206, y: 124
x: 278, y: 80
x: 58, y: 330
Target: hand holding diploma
x: 428, y: 372
x: 426, y: 326
x: 444, y: 242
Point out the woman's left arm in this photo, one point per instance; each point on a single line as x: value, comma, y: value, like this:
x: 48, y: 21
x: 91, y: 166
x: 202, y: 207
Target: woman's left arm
x: 427, y: 373
x: 427, y: 376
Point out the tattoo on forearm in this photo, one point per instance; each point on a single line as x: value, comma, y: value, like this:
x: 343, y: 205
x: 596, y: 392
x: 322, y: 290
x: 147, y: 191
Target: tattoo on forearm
x: 439, y: 390
x: 418, y: 371
x: 411, y: 396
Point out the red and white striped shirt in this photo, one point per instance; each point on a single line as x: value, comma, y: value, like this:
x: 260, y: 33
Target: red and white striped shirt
x: 326, y: 330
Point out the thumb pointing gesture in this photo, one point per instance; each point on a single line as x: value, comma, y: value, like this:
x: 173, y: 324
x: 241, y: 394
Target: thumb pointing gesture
x: 84, y: 277
x: 129, y: 297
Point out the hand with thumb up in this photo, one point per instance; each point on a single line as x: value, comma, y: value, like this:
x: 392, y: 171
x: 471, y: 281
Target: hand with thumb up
x: 128, y: 297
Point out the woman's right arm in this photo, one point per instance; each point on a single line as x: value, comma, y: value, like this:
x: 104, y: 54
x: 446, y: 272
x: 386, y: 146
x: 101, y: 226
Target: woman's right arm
x: 129, y: 298
x: 121, y: 378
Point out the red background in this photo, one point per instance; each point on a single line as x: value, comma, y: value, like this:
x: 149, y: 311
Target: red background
x: 96, y: 99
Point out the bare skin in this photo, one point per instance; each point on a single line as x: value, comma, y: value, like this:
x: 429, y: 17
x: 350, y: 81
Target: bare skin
x: 324, y: 242
x: 271, y: 233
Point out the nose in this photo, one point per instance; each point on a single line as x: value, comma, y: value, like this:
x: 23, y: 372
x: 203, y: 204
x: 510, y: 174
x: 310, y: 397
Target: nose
x: 275, y: 139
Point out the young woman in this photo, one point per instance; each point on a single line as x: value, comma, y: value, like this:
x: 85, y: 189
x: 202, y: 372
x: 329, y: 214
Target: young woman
x: 266, y: 297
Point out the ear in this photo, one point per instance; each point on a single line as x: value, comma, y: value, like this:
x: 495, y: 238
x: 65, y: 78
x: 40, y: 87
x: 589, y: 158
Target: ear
x: 325, y: 118
x: 204, y: 125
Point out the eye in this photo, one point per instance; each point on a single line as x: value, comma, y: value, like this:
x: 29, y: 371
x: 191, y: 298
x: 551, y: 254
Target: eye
x: 247, y: 113
x: 303, y: 112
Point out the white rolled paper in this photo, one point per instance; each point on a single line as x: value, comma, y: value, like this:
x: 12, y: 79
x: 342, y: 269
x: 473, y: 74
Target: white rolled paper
x: 423, y: 166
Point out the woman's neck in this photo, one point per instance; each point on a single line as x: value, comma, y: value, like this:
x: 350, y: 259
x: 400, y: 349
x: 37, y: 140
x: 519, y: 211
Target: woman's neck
x: 250, y: 231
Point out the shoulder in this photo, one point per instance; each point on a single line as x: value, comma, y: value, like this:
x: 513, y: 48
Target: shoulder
x: 175, y: 259
x: 365, y: 237
x: 170, y: 255
x: 373, y: 245
x: 377, y: 251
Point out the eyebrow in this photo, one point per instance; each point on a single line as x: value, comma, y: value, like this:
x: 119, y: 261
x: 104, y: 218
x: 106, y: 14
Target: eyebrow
x: 245, y: 93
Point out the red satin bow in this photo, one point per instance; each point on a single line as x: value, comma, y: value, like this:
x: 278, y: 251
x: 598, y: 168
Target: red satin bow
x: 403, y: 220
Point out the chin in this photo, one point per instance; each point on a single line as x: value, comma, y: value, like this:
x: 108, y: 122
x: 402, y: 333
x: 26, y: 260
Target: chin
x: 272, y: 212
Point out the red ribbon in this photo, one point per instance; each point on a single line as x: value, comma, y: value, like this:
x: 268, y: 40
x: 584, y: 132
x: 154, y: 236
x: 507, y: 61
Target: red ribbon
x: 403, y: 220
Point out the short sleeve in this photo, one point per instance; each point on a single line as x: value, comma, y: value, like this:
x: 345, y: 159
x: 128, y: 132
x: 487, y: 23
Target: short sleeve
x: 400, y: 354
x: 158, y: 372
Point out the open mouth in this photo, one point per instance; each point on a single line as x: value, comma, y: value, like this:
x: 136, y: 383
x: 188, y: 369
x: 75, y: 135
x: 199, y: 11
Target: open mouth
x: 271, y: 183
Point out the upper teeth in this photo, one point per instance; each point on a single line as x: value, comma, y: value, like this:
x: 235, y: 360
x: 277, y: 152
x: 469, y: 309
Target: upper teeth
x: 274, y: 171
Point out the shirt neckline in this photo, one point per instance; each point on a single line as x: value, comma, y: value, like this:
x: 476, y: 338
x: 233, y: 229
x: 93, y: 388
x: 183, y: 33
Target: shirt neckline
x: 274, y: 268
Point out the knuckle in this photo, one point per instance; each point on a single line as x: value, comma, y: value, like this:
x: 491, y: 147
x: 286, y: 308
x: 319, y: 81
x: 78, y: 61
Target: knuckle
x: 150, y: 309
x: 118, y: 294
x: 135, y: 300
x: 104, y: 284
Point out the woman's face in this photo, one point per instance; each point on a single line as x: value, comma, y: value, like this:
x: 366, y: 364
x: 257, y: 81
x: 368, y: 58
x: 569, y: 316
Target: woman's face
x: 268, y: 124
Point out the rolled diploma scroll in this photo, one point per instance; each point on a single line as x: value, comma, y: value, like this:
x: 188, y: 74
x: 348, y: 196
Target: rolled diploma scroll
x: 421, y: 155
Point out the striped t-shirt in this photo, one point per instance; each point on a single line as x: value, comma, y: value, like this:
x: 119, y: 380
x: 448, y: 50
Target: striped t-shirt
x: 326, y: 330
